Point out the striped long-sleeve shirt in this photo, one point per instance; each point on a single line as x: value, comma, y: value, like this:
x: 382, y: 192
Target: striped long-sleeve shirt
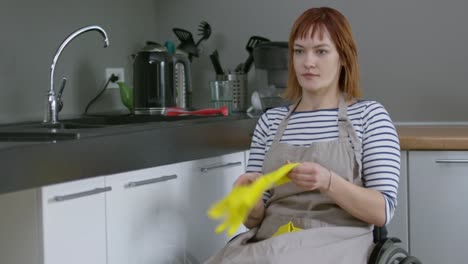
x: 375, y: 129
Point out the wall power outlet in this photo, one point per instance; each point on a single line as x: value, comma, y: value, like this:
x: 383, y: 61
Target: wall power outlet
x: 118, y: 72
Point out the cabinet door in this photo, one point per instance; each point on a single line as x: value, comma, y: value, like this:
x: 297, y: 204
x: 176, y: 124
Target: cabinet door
x: 144, y: 218
x: 210, y: 181
x: 438, y: 206
x: 398, y: 226
x: 73, y: 222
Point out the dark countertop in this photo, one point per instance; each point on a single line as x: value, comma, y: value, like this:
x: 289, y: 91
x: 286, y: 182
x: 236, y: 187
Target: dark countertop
x: 121, y: 148
x: 116, y: 149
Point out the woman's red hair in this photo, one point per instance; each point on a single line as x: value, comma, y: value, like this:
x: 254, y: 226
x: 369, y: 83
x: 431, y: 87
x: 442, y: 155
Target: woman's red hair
x: 339, y: 30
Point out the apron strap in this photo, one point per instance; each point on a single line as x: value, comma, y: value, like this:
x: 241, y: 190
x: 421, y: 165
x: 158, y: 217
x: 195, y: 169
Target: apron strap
x: 284, y: 123
x: 342, y: 118
x: 345, y: 127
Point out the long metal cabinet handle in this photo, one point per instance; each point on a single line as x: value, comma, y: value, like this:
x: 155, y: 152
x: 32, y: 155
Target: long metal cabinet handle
x: 62, y: 198
x: 451, y: 161
x: 231, y: 164
x: 150, y: 181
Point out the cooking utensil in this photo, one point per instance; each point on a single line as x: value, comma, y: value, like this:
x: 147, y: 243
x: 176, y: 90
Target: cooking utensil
x: 204, y: 30
x: 239, y: 68
x: 150, y: 46
x: 154, y: 46
x: 214, y: 57
x: 154, y: 77
x: 239, y: 90
x: 251, y: 44
x: 203, y: 112
x: 187, y: 43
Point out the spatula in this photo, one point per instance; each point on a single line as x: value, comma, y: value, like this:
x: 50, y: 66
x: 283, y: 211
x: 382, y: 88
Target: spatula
x: 251, y: 44
x: 186, y: 41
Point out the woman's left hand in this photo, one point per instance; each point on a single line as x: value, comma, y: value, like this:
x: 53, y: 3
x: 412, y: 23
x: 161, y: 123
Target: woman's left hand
x: 310, y: 176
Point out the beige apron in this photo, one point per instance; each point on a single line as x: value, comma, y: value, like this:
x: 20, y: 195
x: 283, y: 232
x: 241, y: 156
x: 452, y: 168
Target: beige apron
x: 331, y: 235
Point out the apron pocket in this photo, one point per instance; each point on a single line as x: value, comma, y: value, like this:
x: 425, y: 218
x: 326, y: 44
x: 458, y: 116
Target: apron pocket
x: 287, y: 228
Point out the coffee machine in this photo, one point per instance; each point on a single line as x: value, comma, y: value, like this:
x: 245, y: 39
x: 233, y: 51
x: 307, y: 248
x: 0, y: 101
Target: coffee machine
x: 271, y: 74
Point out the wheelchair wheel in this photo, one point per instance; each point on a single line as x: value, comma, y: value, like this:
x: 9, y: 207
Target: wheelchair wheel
x: 392, y: 255
x: 411, y: 260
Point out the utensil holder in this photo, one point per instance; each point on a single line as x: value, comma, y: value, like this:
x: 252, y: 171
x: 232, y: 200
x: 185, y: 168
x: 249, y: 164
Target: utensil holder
x: 239, y: 92
x: 221, y: 93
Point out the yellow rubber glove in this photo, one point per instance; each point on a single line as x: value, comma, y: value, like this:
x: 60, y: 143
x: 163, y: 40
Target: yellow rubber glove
x: 236, y: 206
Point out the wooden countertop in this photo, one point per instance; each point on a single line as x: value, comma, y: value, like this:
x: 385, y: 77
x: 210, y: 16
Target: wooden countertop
x: 433, y: 137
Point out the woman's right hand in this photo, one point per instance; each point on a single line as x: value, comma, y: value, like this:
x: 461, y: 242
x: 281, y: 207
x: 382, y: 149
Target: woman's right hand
x: 247, y: 178
x: 257, y: 213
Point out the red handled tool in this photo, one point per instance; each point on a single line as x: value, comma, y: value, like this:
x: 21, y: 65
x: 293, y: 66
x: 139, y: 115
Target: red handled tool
x: 207, y: 111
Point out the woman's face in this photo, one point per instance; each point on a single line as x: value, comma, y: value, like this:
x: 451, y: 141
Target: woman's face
x: 317, y: 63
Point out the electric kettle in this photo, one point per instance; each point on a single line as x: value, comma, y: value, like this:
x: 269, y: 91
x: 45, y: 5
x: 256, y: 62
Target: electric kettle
x: 154, y: 73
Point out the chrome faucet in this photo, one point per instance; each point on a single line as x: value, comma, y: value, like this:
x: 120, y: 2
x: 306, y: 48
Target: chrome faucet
x: 53, y: 101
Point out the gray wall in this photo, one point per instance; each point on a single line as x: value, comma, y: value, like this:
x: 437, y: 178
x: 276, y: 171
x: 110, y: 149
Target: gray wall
x: 412, y: 53
x: 30, y: 33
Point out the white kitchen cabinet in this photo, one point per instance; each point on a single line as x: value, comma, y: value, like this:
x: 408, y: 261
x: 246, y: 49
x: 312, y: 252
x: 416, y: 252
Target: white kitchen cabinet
x: 74, y: 222
x: 438, y: 199
x: 155, y: 215
x: 144, y: 216
x: 398, y: 226
x: 210, y: 180
x: 158, y: 215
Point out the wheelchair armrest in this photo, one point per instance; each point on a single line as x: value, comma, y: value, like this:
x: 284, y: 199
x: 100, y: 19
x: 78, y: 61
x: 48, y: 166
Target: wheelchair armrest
x: 380, y: 233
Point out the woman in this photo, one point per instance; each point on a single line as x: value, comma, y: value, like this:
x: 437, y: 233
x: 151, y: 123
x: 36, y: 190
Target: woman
x: 348, y: 151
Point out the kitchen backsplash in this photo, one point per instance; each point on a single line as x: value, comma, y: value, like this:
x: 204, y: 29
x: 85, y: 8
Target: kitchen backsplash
x: 32, y: 31
x: 414, y: 65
